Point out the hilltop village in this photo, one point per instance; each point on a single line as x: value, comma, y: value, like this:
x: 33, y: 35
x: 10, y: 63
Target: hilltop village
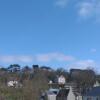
x: 69, y: 91
x: 44, y: 83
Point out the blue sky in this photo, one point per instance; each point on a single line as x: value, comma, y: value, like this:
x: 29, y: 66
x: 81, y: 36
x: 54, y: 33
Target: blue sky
x: 57, y: 33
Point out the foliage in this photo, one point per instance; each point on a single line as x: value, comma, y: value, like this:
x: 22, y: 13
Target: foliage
x: 35, y: 80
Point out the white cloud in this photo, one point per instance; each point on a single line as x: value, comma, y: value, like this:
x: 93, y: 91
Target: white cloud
x: 25, y: 58
x: 49, y: 57
x: 61, y: 3
x: 6, y: 59
x: 38, y: 58
x: 89, y: 9
x: 53, y: 57
x: 86, y: 9
x: 83, y: 64
x: 14, y: 59
x: 86, y: 63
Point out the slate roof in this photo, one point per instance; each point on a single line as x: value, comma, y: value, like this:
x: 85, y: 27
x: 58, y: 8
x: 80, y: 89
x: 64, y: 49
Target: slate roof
x: 63, y: 93
x: 59, y: 93
x: 95, y: 91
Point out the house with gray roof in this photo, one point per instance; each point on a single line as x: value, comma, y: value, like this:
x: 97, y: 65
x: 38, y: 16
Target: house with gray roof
x: 62, y: 90
x: 93, y: 94
x: 62, y: 94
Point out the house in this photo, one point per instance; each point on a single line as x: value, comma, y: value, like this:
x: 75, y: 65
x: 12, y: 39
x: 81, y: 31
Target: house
x: 61, y: 80
x: 63, y: 94
x: 35, y: 67
x: 52, y: 93
x: 96, y: 84
x: 93, y: 94
x: 71, y: 95
x: 62, y: 90
x: 45, y: 68
x: 14, y: 84
x: 75, y: 71
x: 57, y: 94
x: 14, y: 68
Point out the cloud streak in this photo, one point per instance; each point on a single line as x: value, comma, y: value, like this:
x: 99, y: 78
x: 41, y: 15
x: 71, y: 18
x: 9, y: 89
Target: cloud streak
x: 49, y: 57
x: 54, y: 57
x: 13, y: 58
x: 83, y: 64
x: 86, y: 63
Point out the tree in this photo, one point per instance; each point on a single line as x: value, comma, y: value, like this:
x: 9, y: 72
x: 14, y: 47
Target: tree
x: 26, y: 69
x: 83, y: 78
x: 61, y: 71
x: 35, y: 68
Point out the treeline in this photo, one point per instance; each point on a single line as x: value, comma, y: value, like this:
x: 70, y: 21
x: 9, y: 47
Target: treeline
x: 35, y: 80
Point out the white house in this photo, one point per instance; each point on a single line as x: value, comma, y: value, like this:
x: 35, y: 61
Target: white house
x: 14, y: 84
x: 52, y: 93
x: 61, y: 80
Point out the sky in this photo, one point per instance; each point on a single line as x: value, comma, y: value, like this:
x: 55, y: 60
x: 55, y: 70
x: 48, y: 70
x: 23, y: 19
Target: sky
x: 55, y: 33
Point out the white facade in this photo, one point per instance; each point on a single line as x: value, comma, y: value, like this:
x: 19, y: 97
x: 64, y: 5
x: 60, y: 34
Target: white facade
x: 79, y: 97
x: 52, y: 93
x: 12, y: 83
x: 52, y: 97
x: 96, y: 84
x: 50, y: 82
x: 61, y: 80
x: 71, y: 95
